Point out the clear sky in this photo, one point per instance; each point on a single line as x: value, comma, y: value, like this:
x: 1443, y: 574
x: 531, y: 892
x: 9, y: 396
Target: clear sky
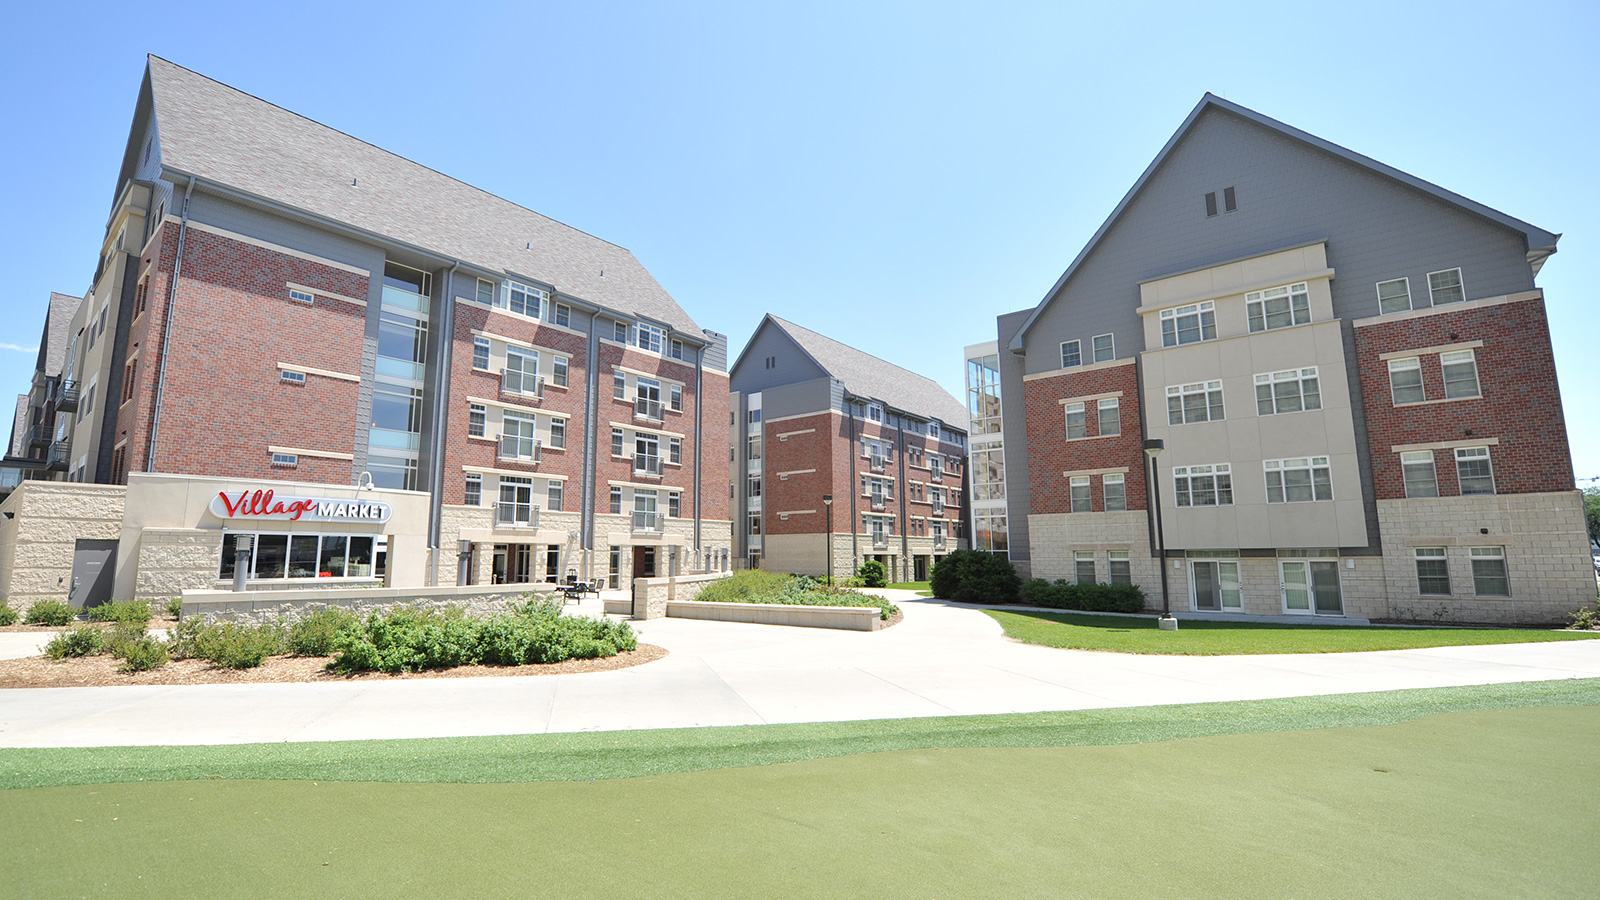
x: 893, y: 175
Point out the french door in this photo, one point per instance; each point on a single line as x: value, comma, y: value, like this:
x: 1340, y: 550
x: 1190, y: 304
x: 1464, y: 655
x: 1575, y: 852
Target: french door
x: 1311, y: 587
x: 1215, y: 584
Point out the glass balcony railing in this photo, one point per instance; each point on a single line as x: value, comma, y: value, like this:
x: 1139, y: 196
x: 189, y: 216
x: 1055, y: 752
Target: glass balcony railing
x: 646, y: 522
x: 525, y: 384
x: 644, y: 464
x: 519, y: 448
x: 394, y: 440
x: 393, y: 296
x: 516, y: 514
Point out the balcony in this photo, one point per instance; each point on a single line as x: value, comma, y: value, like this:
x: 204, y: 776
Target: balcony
x: 521, y: 384
x: 40, y: 436
x: 646, y: 522
x: 57, y: 457
x: 938, y: 542
x: 644, y: 408
x: 645, y: 464
x: 516, y: 448
x: 936, y: 474
x: 67, y: 396
x: 938, y: 508
x: 516, y: 514
x: 880, y: 542
x: 877, y: 463
x: 879, y: 503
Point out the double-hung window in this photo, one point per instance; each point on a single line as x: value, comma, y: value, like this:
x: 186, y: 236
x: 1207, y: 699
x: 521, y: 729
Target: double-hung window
x: 619, y: 385
x: 1083, y: 563
x: 1189, y: 324
x: 1405, y: 380
x: 616, y: 442
x: 1189, y: 403
x: 1203, y: 485
x: 553, y: 496
x: 1473, y: 471
x: 1420, y: 478
x: 1278, y: 307
x: 558, y: 433
x: 1079, y: 493
x: 1489, y: 572
x: 486, y: 292
x: 480, y: 353
x: 517, y: 435
x: 1121, y: 571
x: 1110, y: 417
x: 1286, y: 392
x: 1433, y: 571
x: 1445, y: 287
x: 1114, y: 490
x: 473, y: 494
x: 477, y: 416
x: 558, y: 370
x: 1077, y: 425
x: 675, y: 397
x: 563, y: 314
x: 619, y: 332
x: 650, y: 337
x: 1105, y: 348
x: 616, y: 501
x: 1071, y: 356
x: 521, y: 375
x: 1394, y: 296
x: 1299, y: 480
x: 1460, y: 374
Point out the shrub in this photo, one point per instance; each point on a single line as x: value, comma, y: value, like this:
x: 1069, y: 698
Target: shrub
x: 8, y: 615
x: 121, y: 635
x: 174, y: 607
x: 121, y: 611
x: 235, y: 646
x: 184, y: 641
x: 872, y: 574
x: 974, y: 576
x: 318, y: 634
x: 534, y: 632
x: 141, y: 654
x: 1093, y: 597
x: 1586, y: 618
x: 741, y: 586
x: 49, y: 612
x: 1038, y: 592
x: 84, y: 640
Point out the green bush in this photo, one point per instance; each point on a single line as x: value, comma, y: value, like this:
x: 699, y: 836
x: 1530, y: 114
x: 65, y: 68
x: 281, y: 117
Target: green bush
x: 318, y: 634
x: 974, y: 576
x: 8, y: 615
x: 184, y: 640
x: 174, y: 607
x: 84, y: 640
x: 536, y: 632
x: 129, y: 611
x: 235, y: 646
x: 49, y: 612
x: 872, y: 574
x: 1586, y: 618
x: 141, y: 654
x: 741, y: 586
x: 1092, y: 597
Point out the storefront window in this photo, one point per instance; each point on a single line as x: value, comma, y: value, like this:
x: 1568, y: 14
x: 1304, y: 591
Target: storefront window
x: 272, y: 551
x: 303, y: 556
x: 331, y: 563
x: 307, y: 556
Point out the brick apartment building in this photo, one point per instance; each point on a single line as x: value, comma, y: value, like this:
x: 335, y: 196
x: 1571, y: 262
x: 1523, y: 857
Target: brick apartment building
x: 823, y: 420
x: 280, y: 306
x: 1348, y: 369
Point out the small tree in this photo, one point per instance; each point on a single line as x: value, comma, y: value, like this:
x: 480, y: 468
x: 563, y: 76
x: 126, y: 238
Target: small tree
x: 975, y: 576
x: 1591, y: 512
x: 871, y: 574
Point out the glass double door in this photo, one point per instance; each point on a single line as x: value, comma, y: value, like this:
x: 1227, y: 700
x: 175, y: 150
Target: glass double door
x: 1311, y: 587
x: 1215, y: 584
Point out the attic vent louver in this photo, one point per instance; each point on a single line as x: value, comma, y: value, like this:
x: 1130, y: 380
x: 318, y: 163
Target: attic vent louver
x: 1211, y: 204
x: 1229, y: 201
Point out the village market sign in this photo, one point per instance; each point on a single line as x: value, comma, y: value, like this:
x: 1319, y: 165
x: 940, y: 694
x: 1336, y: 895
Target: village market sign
x: 269, y: 506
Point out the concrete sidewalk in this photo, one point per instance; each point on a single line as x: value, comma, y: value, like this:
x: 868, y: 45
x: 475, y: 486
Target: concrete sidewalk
x: 942, y: 660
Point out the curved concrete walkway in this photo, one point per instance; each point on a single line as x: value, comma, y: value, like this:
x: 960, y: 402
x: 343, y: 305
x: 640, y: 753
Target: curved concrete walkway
x: 942, y: 660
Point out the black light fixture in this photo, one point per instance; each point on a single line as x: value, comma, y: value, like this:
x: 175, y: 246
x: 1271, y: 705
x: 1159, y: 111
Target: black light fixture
x: 1152, y: 449
x: 827, y: 504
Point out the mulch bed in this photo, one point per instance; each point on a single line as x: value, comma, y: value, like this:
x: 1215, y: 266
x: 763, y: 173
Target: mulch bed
x: 101, y: 671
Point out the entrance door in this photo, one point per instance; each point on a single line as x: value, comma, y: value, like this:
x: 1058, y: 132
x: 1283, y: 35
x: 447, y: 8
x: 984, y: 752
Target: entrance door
x: 644, y: 562
x: 94, y: 567
x: 921, y: 569
x: 1311, y: 587
x: 552, y: 563
x: 1216, y: 585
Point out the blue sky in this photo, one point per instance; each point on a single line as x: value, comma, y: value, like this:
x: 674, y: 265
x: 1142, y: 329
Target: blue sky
x: 892, y: 175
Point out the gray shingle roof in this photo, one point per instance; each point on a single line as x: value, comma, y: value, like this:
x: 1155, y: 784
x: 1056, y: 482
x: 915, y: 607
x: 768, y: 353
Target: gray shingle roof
x: 19, y: 428
x: 57, y: 332
x: 865, y: 375
x: 223, y: 135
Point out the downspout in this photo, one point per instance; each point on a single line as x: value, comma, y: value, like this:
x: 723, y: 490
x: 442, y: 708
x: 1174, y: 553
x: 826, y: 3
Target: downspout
x: 855, y: 484
x: 905, y: 523
x: 441, y: 386
x: 166, y: 329
x: 586, y: 497
x: 699, y: 439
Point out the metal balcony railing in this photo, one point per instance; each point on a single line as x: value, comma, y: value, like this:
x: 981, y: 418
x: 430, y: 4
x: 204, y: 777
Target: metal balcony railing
x: 59, y: 456
x: 67, y: 396
x: 518, y: 448
x: 938, y: 508
x: 644, y: 408
x: 880, y: 542
x: 879, y: 503
x: 514, y: 513
x: 938, y: 542
x: 523, y: 384
x: 644, y: 464
x: 877, y: 463
x: 40, y: 436
x: 646, y: 522
x: 936, y: 474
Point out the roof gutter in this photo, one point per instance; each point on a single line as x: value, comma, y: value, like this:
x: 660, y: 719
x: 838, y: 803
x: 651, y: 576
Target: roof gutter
x: 166, y: 329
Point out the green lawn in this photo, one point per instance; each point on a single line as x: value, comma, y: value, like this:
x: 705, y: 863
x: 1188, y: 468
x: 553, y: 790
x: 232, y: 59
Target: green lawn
x: 912, y: 586
x: 1475, y: 792
x: 1140, y: 634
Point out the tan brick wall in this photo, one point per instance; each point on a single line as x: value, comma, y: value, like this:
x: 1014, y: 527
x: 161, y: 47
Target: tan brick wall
x: 174, y: 560
x: 50, y: 518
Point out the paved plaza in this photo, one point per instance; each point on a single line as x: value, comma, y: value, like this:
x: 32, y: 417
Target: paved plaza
x: 942, y: 660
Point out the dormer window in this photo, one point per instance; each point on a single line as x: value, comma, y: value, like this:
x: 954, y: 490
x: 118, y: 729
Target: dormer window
x: 650, y: 337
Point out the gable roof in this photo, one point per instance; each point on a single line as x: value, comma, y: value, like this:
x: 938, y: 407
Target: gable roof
x: 19, y: 428
x: 865, y: 375
x: 225, y: 137
x: 1541, y: 244
x: 57, y: 332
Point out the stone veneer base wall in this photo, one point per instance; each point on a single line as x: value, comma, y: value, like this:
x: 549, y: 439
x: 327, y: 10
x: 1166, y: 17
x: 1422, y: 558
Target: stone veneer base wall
x: 259, y: 607
x: 849, y: 618
x: 49, y: 518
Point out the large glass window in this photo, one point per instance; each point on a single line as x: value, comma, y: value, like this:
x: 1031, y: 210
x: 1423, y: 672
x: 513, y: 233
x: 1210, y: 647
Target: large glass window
x: 983, y: 394
x: 1189, y: 403
x: 1473, y: 471
x: 1421, y: 479
x: 279, y: 556
x: 1405, y: 380
x: 650, y: 337
x: 392, y: 470
x: 524, y: 300
x: 1188, y: 324
x: 1460, y: 373
x: 1299, y: 480
x: 1433, y: 571
x: 1278, y: 307
x: 517, y: 435
x: 1203, y: 485
x: 403, y: 341
x: 1286, y: 392
x: 516, y: 501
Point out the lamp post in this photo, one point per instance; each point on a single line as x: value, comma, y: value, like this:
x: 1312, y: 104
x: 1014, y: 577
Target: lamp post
x: 827, y: 504
x: 1152, y: 449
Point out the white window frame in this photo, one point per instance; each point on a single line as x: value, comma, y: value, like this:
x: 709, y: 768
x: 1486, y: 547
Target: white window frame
x: 1433, y: 290
x: 558, y: 433
x: 558, y: 370
x: 292, y: 377
x: 1220, y: 490
x: 1114, y: 405
x: 650, y: 337
x: 563, y: 315
x: 1439, y: 555
x: 525, y: 432
x: 285, y: 460
x: 1119, y: 567
x: 302, y: 297
x: 528, y: 293
x: 493, y: 290
x: 1106, y: 481
x: 1471, y: 455
x: 1413, y: 460
x: 1271, y: 380
x: 1081, y: 558
x: 1404, y: 366
x: 481, y: 348
x: 473, y: 485
x: 1080, y: 497
x: 1182, y: 392
x: 1385, y: 302
x: 1077, y: 354
x: 1076, y: 415
x: 1110, y: 349
x: 1489, y: 555
x: 477, y: 420
x: 1311, y: 465
x: 1200, y: 311
x: 1255, y: 306
x: 1456, y: 359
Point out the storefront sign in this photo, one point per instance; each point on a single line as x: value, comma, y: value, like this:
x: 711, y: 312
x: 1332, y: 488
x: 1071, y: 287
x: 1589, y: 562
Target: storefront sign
x: 266, y: 505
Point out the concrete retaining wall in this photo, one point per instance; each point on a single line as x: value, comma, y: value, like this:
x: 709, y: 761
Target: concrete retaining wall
x: 650, y: 595
x: 850, y: 618
x: 256, y: 607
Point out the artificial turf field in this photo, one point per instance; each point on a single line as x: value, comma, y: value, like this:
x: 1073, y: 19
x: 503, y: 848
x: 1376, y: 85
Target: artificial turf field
x: 1468, y: 792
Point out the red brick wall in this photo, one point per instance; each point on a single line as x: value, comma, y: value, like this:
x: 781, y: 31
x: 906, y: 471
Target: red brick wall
x: 1520, y: 402
x: 826, y: 450
x: 714, y: 487
x: 1050, y: 453
x: 224, y: 401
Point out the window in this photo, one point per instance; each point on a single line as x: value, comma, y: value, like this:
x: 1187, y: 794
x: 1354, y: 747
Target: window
x: 1083, y: 563
x: 1105, y: 348
x: 647, y: 402
x: 1298, y: 480
x: 650, y: 337
x: 558, y: 370
x: 477, y: 417
x: 140, y: 298
x: 88, y: 399
x: 486, y: 291
x: 516, y: 501
x: 1473, y: 471
x: 303, y: 556
x: 1489, y: 572
x: 1203, y: 485
x: 1419, y: 474
x: 1211, y: 203
x: 1460, y: 373
x: 1070, y: 356
x: 522, y: 371
x: 1278, y: 307
x: 1115, y: 492
x: 472, y: 495
x: 285, y: 460
x: 676, y: 348
x: 616, y: 442
x: 1394, y: 296
x: 553, y: 496
x: 1433, y: 571
x: 1189, y: 403
x: 292, y: 377
x: 301, y: 296
x: 619, y: 332
x: 1080, y: 493
x: 675, y: 451
x: 1121, y: 573
x: 516, y: 436
x: 563, y: 315
x: 1446, y: 287
x: 1189, y: 324
x: 874, y: 412
x: 675, y: 397
x: 1287, y: 392
x: 524, y: 300
x: 619, y: 385
x: 673, y: 505
x: 480, y: 353
x: 616, y: 500
x: 1230, y: 200
x: 1405, y: 380
x: 1077, y: 427
x: 558, y: 433
x: 1110, y: 417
